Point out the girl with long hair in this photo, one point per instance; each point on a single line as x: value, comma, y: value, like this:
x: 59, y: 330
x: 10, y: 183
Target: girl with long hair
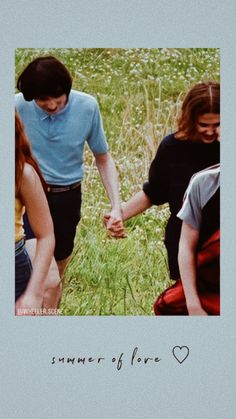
x: 193, y: 147
x: 30, y: 277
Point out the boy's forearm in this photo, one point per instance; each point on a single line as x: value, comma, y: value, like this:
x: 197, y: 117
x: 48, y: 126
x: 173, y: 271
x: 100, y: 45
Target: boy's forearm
x: 108, y: 173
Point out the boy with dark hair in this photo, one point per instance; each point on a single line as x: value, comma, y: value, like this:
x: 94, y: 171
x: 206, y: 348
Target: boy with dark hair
x: 58, y: 121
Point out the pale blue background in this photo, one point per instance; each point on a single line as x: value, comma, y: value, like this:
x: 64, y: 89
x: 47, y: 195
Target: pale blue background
x: 203, y: 387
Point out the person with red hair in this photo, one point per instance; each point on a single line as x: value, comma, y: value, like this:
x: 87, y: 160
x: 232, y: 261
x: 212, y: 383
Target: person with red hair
x: 30, y: 277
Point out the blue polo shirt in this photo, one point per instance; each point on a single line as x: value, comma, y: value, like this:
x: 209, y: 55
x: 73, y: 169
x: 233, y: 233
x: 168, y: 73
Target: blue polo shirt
x: 58, y: 140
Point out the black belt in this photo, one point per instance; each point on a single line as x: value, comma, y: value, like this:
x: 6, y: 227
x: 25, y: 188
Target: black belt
x: 61, y: 188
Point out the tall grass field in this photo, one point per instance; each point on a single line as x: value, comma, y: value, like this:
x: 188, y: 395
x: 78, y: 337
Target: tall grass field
x: 139, y: 92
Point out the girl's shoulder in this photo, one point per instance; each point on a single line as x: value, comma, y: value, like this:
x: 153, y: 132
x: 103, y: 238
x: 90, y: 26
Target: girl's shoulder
x: 169, y: 141
x: 31, y: 183
x: 28, y: 170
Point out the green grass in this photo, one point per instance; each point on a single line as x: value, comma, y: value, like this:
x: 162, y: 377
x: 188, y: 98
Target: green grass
x: 139, y: 93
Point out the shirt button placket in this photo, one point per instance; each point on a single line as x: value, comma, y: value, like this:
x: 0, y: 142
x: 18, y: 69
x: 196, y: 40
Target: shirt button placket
x: 51, y: 126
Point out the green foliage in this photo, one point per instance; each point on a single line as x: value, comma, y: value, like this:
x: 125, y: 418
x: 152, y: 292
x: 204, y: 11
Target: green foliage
x: 139, y: 93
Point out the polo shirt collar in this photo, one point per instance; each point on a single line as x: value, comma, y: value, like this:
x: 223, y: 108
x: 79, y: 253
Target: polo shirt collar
x: 44, y: 115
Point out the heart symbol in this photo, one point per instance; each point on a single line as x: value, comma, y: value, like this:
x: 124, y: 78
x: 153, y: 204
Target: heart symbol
x: 180, y: 353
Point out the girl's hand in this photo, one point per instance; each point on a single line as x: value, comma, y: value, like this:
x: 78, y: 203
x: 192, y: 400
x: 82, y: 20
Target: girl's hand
x: 28, y: 303
x: 114, y: 226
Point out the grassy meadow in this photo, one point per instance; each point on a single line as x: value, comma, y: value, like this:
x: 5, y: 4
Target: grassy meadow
x: 139, y: 92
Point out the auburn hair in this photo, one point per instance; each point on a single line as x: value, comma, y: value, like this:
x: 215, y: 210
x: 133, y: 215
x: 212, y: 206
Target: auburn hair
x: 201, y: 99
x: 23, y: 154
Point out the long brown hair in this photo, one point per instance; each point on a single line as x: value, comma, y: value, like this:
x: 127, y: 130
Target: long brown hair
x: 23, y: 154
x: 201, y: 99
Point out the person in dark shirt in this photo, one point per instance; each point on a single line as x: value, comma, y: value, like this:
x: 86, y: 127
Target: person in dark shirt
x: 193, y: 147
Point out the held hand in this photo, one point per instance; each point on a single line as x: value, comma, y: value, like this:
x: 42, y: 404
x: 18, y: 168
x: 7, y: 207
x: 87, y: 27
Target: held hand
x: 27, y: 304
x: 114, y: 224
